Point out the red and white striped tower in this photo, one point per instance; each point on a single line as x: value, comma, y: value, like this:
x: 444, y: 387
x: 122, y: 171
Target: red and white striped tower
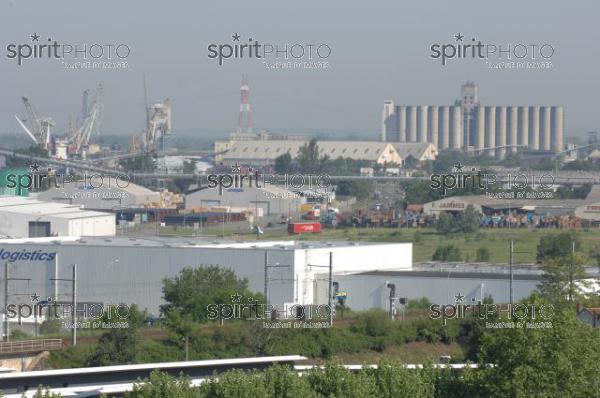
x: 245, y: 116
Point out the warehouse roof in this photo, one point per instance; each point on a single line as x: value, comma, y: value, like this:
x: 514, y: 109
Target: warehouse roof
x: 495, y: 203
x: 594, y: 194
x: 26, y: 205
x: 418, y: 150
x: 474, y: 270
x: 101, y: 185
x: 271, y: 149
x: 184, y: 242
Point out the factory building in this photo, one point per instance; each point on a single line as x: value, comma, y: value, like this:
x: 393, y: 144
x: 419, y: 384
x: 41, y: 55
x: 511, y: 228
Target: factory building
x: 22, y: 217
x: 131, y: 270
x: 267, y: 199
x: 260, y: 152
x: 490, y: 129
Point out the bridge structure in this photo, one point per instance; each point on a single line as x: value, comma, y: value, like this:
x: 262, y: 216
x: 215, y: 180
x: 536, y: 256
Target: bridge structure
x: 559, y: 178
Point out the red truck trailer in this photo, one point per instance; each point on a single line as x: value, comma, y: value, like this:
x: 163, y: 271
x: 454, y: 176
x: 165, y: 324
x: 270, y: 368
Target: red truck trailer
x: 304, y: 227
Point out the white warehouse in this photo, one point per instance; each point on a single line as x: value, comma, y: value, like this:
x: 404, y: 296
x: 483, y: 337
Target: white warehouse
x: 131, y: 270
x: 22, y: 217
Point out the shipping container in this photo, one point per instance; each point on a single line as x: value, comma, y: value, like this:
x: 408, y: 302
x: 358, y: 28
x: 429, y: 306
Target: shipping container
x: 304, y: 227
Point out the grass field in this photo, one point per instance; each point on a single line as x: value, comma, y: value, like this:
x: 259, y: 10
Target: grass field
x: 425, y: 240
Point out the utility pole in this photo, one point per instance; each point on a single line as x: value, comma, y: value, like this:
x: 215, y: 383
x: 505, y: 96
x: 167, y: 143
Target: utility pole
x: 330, y: 289
x: 266, y: 287
x: 511, y: 271
x: 571, y: 267
x: 7, y: 278
x: 266, y: 277
x: 187, y: 348
x: 6, y: 301
x: 73, y: 280
x: 74, y: 314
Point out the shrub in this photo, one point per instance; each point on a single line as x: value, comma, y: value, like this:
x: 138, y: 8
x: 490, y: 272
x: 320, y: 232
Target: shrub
x: 447, y: 253
x: 482, y: 254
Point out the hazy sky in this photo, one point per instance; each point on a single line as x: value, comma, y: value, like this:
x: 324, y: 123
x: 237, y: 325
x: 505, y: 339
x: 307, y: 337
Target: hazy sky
x: 380, y: 50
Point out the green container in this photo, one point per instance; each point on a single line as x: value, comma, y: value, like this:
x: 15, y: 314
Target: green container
x: 16, y: 191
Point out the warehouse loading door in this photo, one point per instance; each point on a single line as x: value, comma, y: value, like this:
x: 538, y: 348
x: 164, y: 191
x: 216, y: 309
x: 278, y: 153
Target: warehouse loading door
x: 38, y: 229
x: 264, y: 205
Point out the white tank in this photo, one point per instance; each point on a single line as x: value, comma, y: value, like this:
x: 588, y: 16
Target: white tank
x: 422, y: 123
x: 433, y: 125
x: 411, y: 124
x: 556, y: 128
x: 523, y: 126
x: 534, y: 127
x: 500, y: 131
x: 545, y: 128
x: 456, y: 127
x: 444, y: 127
x: 490, y: 129
x: 512, y: 119
x: 401, y: 123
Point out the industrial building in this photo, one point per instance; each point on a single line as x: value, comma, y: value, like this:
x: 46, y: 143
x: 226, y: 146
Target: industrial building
x: 590, y: 210
x: 107, y: 194
x: 266, y: 200
x: 487, y: 205
x: 439, y: 283
x: 264, y: 152
x: 22, y: 217
x: 469, y: 124
x: 131, y: 270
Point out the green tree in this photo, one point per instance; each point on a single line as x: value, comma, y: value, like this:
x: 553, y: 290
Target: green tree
x: 482, y: 254
x: 146, y: 163
x: 359, y: 189
x: 283, y: 163
x: 161, y: 384
x: 195, y: 288
x: 468, y: 220
x: 118, y: 345
x: 445, y: 223
x: 561, y: 277
x: 447, y: 253
x: 420, y: 192
x: 310, y: 159
x: 410, y: 162
x: 561, y: 361
x: 555, y: 246
x: 189, y: 166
